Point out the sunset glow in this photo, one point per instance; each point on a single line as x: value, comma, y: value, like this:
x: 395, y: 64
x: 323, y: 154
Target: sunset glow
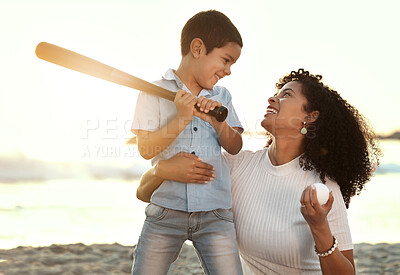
x: 46, y: 110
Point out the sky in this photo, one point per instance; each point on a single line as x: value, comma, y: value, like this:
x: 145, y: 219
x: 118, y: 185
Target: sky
x: 50, y: 112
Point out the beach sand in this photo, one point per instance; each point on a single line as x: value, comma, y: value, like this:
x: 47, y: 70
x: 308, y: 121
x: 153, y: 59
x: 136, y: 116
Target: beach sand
x: 76, y: 259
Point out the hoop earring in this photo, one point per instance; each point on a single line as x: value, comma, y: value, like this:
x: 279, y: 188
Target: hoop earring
x: 304, y: 129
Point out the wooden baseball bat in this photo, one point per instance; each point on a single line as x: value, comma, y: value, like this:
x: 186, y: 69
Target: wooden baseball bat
x: 86, y: 65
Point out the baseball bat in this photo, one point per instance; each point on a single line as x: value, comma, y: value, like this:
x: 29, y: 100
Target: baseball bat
x: 86, y: 65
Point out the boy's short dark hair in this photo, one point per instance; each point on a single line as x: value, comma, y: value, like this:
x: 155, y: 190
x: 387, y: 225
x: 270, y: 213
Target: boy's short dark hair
x: 213, y: 27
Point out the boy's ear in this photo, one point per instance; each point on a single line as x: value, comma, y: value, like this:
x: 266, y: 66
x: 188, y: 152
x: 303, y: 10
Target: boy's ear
x: 197, y: 47
x: 312, y: 117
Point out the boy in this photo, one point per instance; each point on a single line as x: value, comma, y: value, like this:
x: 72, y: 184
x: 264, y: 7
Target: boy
x: 210, y: 44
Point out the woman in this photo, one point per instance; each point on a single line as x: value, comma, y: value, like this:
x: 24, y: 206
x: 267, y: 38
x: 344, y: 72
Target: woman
x: 315, y: 136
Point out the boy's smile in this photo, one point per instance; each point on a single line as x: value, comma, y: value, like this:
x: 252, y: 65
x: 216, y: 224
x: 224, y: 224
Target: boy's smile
x: 212, y: 67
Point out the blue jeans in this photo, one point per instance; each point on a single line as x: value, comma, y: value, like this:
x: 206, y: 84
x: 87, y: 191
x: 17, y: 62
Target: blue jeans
x: 165, y: 230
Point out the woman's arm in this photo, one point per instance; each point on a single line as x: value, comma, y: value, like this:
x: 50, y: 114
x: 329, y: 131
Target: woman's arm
x: 183, y: 167
x: 337, y: 262
x: 148, y: 183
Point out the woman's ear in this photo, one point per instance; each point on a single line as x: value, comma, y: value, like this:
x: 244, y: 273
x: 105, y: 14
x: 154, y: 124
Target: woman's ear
x: 312, y: 117
x: 197, y: 47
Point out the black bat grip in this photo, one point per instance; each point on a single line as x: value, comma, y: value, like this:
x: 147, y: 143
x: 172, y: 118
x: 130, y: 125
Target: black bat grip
x: 220, y: 113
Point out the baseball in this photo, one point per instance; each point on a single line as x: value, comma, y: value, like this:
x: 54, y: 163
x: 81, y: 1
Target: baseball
x: 322, y: 193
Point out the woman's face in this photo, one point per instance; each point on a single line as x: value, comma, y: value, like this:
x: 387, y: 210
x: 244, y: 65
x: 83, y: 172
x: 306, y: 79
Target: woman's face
x: 285, y: 114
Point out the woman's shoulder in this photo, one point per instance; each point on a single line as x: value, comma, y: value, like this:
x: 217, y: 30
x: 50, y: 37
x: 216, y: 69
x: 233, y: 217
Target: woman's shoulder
x: 245, y: 154
x: 244, y: 157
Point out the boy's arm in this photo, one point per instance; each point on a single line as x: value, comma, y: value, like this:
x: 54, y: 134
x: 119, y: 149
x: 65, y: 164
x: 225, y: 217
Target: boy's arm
x: 183, y: 167
x: 229, y: 138
x: 151, y: 144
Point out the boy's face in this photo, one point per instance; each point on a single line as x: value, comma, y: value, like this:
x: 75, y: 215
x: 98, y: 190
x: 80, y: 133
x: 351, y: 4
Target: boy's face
x: 215, y: 65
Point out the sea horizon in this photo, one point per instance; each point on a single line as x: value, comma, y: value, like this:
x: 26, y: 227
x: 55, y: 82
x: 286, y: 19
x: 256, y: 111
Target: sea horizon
x: 94, y: 201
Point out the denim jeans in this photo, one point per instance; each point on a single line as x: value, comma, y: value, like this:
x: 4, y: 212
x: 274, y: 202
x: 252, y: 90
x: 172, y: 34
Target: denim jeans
x: 165, y: 230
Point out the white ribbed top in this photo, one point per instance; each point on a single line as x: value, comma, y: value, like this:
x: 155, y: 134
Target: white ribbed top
x: 273, y: 236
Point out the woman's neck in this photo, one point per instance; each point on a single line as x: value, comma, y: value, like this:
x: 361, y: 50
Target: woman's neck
x: 284, y: 150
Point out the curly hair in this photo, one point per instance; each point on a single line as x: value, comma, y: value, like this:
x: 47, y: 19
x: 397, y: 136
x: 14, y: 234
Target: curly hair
x: 340, y: 144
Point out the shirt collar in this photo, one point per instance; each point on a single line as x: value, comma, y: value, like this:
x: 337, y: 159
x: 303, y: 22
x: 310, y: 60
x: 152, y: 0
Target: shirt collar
x: 171, y: 75
x: 284, y: 169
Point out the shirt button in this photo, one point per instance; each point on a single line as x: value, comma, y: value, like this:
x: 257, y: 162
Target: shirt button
x: 195, y: 129
x: 193, y: 153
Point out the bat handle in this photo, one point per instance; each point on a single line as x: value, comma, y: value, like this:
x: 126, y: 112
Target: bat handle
x: 220, y: 113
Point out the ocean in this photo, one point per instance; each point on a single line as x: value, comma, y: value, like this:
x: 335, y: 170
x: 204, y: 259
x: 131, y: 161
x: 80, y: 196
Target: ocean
x: 42, y: 203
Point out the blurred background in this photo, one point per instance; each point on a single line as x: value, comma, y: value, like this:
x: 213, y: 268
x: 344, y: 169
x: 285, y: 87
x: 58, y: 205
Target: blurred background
x: 66, y: 172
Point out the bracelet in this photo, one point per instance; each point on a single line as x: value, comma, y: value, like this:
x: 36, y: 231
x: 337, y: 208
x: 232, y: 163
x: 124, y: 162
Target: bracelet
x: 329, y: 252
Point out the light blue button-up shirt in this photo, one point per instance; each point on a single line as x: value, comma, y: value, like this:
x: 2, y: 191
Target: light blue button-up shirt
x: 199, y: 137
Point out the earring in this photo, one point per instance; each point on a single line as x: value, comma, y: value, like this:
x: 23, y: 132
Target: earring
x: 304, y: 129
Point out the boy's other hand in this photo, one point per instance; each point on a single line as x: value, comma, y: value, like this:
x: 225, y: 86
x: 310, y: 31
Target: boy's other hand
x: 184, y: 102
x: 205, y: 105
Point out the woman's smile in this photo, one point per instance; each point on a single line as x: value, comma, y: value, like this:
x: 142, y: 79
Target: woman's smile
x: 271, y: 111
